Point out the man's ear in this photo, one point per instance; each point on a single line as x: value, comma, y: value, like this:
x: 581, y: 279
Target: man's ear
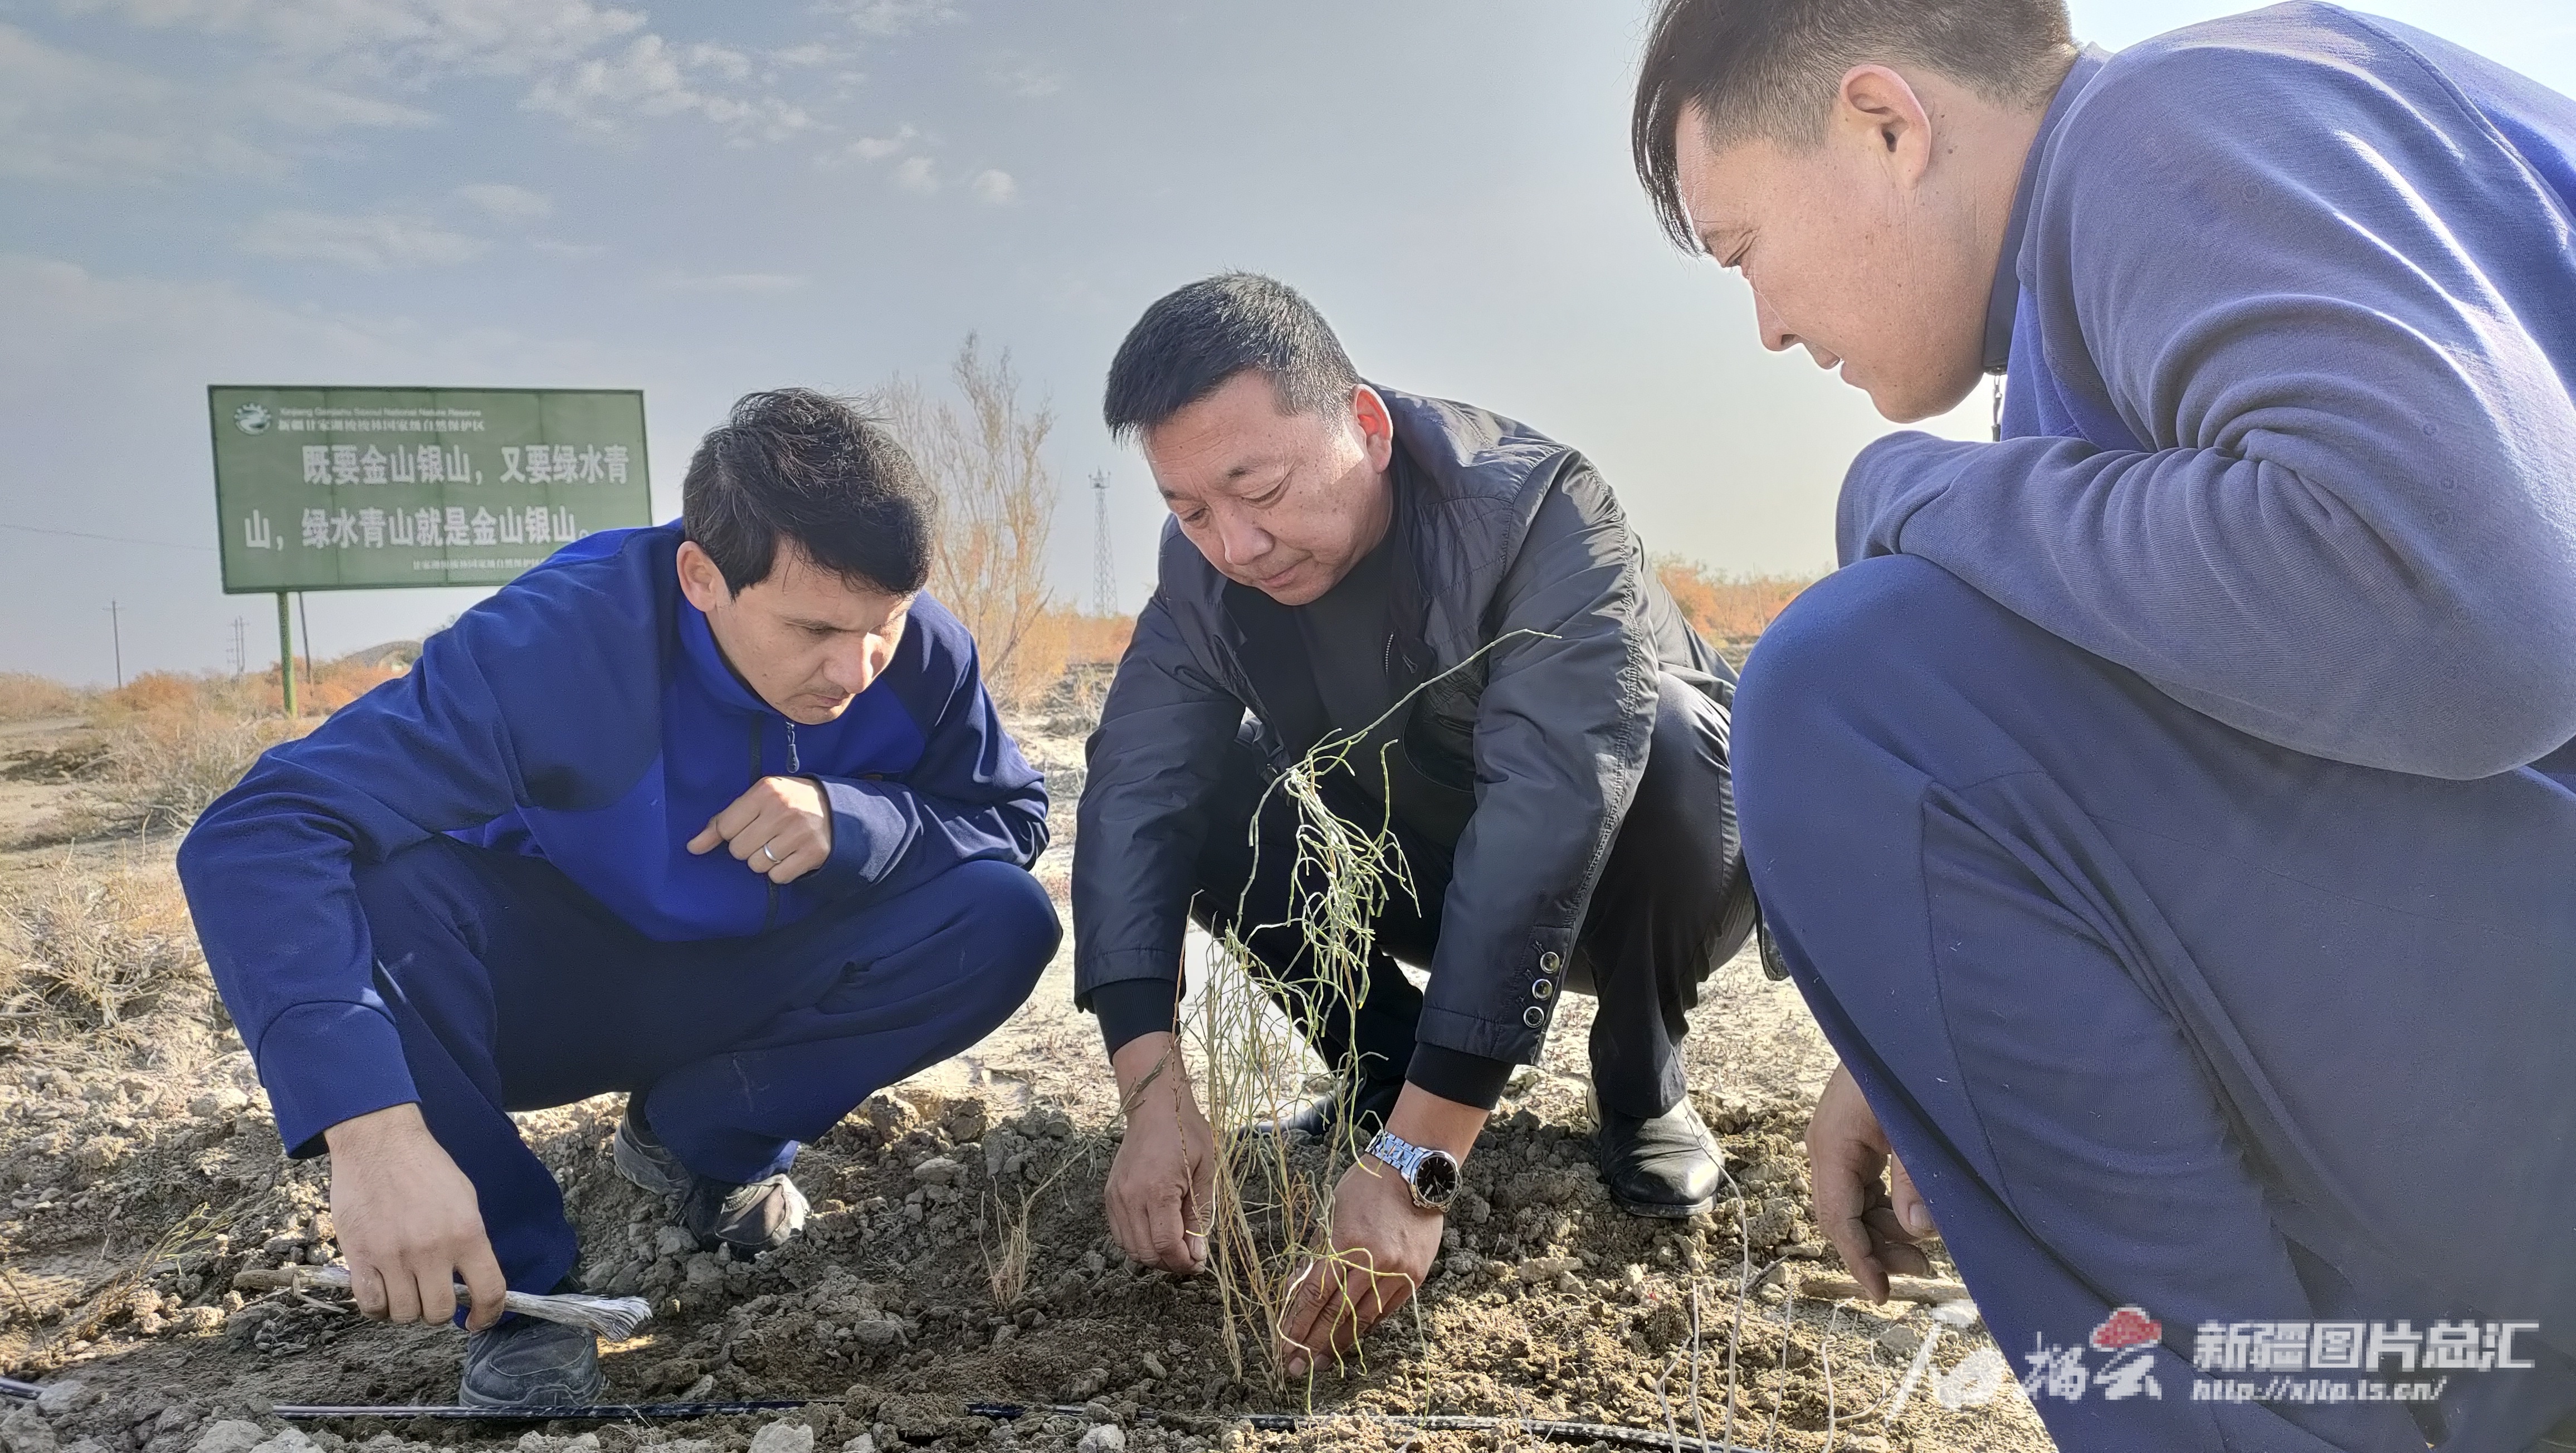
x: 1879, y: 108
x: 700, y: 580
x: 1377, y: 426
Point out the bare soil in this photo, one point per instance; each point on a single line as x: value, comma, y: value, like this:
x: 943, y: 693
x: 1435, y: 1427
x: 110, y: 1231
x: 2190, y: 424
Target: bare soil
x: 140, y: 1173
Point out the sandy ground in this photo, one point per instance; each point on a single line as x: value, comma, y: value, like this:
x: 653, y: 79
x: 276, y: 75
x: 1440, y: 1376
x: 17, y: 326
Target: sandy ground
x: 136, y: 1184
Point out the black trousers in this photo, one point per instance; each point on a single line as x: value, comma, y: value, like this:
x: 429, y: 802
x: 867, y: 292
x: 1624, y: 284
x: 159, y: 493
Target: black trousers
x: 1673, y: 903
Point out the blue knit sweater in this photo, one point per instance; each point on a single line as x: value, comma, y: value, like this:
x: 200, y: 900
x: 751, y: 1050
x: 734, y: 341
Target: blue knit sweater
x: 2291, y: 301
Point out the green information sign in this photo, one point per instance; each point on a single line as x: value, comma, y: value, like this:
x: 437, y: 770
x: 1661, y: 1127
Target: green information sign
x: 366, y: 488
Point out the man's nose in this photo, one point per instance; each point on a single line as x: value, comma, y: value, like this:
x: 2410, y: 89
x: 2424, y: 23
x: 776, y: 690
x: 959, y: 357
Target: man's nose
x: 1242, y: 541
x: 1775, y: 334
x: 854, y: 666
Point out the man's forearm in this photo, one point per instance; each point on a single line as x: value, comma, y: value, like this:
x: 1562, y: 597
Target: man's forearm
x: 360, y: 1135
x: 1147, y: 1063
x: 1423, y: 1118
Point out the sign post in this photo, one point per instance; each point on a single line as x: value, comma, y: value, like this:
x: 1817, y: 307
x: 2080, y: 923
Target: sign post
x: 285, y: 656
x: 369, y: 488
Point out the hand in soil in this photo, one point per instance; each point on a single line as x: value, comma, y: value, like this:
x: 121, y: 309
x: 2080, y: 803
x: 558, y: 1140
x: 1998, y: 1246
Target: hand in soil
x: 1162, y: 1185
x: 780, y: 829
x: 1846, y: 1153
x: 408, y: 1222
x: 1382, y: 1248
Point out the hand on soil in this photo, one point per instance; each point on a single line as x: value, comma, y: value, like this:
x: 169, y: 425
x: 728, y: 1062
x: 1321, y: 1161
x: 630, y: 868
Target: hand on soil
x: 1874, y: 1230
x: 1162, y: 1185
x: 1382, y: 1248
x: 408, y: 1222
x: 780, y: 829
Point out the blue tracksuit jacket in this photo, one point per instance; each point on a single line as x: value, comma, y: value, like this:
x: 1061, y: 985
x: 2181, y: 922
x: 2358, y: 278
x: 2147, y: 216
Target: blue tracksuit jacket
x: 2290, y: 426
x: 581, y: 715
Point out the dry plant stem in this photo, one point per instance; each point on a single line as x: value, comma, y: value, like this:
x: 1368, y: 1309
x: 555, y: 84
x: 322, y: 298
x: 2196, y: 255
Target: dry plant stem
x: 1825, y: 1351
x: 1008, y: 1279
x: 1699, y: 1424
x: 1672, y: 1428
x: 1743, y: 1288
x: 1788, y: 1324
x: 1272, y: 1220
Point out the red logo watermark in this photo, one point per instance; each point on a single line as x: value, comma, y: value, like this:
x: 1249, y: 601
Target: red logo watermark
x: 2127, y: 1327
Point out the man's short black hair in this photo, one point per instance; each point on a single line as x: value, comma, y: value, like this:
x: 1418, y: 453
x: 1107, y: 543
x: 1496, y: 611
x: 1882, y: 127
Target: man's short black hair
x: 1196, y: 337
x: 809, y: 468
x: 1767, y: 68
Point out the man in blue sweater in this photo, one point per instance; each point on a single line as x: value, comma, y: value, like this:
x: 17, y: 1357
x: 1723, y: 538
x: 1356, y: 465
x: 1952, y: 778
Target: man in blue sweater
x: 2169, y: 810
x: 716, y: 814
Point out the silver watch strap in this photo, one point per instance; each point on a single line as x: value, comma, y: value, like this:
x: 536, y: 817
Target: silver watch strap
x: 1398, y: 1155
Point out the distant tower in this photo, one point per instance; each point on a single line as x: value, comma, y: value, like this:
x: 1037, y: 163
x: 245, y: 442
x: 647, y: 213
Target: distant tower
x: 1104, y: 561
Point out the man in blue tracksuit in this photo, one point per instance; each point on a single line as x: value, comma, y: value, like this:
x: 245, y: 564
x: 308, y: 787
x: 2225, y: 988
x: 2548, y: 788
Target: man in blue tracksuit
x: 2169, y: 811
x: 716, y: 814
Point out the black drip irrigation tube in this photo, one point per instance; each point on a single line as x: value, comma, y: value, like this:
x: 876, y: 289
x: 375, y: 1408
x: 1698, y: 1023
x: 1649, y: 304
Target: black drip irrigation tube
x: 1554, y: 1431
x: 1558, y: 1432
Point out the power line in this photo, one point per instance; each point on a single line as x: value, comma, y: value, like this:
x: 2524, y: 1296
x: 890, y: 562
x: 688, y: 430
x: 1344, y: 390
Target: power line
x: 119, y: 539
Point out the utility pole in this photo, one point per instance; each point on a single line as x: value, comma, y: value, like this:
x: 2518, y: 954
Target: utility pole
x: 1104, y: 561
x: 241, y: 649
x: 116, y: 639
x: 304, y: 619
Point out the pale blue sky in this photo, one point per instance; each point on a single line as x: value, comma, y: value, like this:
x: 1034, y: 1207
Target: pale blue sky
x: 702, y: 199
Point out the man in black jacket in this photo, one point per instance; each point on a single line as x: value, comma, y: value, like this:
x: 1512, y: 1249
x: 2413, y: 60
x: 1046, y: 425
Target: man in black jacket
x: 1537, y: 724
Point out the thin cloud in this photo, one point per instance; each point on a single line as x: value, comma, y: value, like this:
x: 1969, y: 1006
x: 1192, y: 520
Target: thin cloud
x: 916, y: 174
x: 876, y: 148
x: 367, y: 242
x: 506, y: 203
x: 995, y: 186
x: 896, y: 17
x: 652, y: 77
x: 1029, y: 79
x: 733, y: 282
x: 395, y: 37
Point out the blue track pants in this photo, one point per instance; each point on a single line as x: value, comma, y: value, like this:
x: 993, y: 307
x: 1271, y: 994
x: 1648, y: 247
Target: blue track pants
x: 2158, y: 1013
x: 515, y: 990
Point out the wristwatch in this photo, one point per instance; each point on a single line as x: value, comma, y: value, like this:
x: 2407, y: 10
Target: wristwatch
x: 1431, y: 1174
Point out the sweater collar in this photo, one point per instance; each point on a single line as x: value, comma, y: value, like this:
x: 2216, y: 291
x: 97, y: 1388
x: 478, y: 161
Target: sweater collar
x: 2005, y: 299
x: 707, y: 662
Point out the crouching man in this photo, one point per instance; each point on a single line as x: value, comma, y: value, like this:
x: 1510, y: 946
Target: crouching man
x: 716, y: 814
x: 1558, y: 785
x: 2168, y: 809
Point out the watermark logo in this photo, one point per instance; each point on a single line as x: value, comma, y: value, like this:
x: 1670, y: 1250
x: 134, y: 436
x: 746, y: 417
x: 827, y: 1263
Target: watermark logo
x: 2283, y: 1356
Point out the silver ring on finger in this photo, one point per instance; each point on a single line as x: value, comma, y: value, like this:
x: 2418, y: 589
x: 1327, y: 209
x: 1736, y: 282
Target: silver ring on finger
x: 771, y: 853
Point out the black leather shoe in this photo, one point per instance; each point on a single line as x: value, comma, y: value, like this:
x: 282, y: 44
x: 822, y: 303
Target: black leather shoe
x: 1320, y: 1117
x: 1666, y: 1167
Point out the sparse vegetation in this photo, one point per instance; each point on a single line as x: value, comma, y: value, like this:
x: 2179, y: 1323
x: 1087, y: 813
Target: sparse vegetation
x: 26, y: 697
x: 86, y: 954
x: 1727, y: 610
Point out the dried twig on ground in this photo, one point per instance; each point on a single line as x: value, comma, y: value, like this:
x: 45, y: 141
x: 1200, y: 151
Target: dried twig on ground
x: 1930, y: 1291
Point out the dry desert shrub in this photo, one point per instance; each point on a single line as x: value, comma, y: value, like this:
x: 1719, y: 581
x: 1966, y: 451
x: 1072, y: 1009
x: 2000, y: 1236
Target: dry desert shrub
x: 87, y: 951
x: 997, y: 499
x: 1727, y: 609
x: 175, y: 743
x: 25, y: 697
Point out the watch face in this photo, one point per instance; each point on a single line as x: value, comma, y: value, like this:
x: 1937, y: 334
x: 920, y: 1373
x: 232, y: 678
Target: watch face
x: 1435, y: 1180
